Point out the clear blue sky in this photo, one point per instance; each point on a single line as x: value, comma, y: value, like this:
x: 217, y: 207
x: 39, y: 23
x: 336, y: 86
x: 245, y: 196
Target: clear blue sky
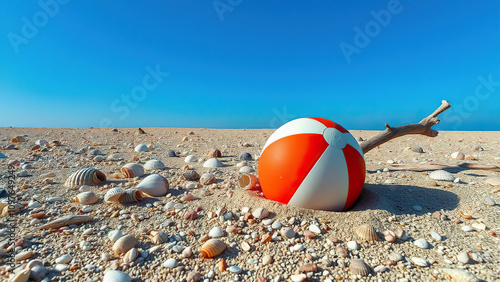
x: 248, y: 64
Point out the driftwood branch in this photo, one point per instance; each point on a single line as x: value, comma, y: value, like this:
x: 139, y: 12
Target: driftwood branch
x: 423, y: 127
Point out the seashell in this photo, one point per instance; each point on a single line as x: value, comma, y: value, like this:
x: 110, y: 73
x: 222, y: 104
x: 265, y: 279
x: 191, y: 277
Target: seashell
x: 436, y: 236
x: 246, y: 247
x: 193, y: 276
x: 467, y: 228
x: 18, y: 139
x: 417, y: 149
x: 116, y: 276
x: 131, y: 255
x: 266, y: 238
x: 463, y: 257
x: 245, y: 156
x: 493, y: 181
x: 21, y: 276
x: 153, y: 185
x: 288, y: 232
x: 113, y: 157
x: 396, y: 256
x: 489, y: 201
x: 98, y: 159
x: 124, y: 244
x: 171, y: 154
x: 86, y: 198
x: 401, y: 234
x: 458, y: 156
x: 95, y: 152
x: 154, y: 164
x: 419, y: 262
x: 246, y: 169
x: 41, y: 142
x: 207, y: 178
x: 214, y: 153
x: 389, y: 236
x: 187, y: 198
x: 367, y: 232
x: 260, y: 213
x: 441, y: 175
x: 191, y: 215
x: 422, y: 243
x: 359, y: 267
x: 87, y: 176
x: 353, y: 245
x: 158, y: 237
x: 298, y: 277
x: 65, y: 259
x: 212, y: 248
x: 190, y: 159
x: 460, y: 275
x: 221, y: 265
x: 314, y: 228
x: 216, y: 232
x: 187, y: 252
x: 170, y: 263
x: 24, y: 255
x: 213, y: 162
x: 249, y: 182
x: 478, y: 147
x: 67, y: 220
x: 113, y: 194
x: 309, y: 267
x: 191, y: 175
x: 12, y: 209
x: 235, y: 269
x: 132, y: 170
x: 478, y: 226
x: 141, y: 148
x: 130, y: 196
x: 114, y: 235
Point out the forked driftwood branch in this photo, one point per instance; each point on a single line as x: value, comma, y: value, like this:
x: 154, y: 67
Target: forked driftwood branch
x: 423, y: 127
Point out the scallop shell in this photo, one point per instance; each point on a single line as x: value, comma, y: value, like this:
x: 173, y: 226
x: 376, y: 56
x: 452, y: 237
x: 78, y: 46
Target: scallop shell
x: 190, y: 159
x: 213, y: 162
x: 359, y: 267
x: 154, y: 185
x: 113, y: 194
x: 154, y: 164
x: 207, y: 178
x: 214, y: 153
x: 132, y: 170
x: 18, y: 139
x: 130, y: 196
x: 116, y: 276
x: 493, y: 181
x: 460, y: 275
x: 442, y: 175
x: 367, y: 232
x: 249, y: 182
x: 191, y: 175
x: 141, y: 148
x: 87, y: 176
x: 86, y: 198
x: 458, y: 156
x: 212, y: 248
x: 124, y: 244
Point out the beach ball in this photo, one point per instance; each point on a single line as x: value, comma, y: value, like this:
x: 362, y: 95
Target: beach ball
x: 312, y: 163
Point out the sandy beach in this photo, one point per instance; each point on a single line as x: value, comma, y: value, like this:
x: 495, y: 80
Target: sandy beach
x: 391, y: 200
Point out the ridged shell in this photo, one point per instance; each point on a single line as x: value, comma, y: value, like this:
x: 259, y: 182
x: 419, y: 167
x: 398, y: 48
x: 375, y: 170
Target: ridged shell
x: 442, y: 175
x: 113, y: 194
x: 124, y: 244
x: 207, y: 178
x: 86, y: 198
x: 154, y: 164
x: 154, y: 185
x: 141, y: 148
x: 367, y: 232
x: 459, y: 275
x: 190, y: 159
x: 493, y: 181
x: 130, y: 196
x: 212, y: 248
x: 191, y: 175
x: 248, y: 182
x: 359, y: 267
x: 132, y: 170
x: 87, y: 176
x: 213, y: 162
x: 116, y: 276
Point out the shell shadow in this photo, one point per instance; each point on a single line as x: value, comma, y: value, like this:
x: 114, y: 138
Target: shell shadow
x: 399, y: 199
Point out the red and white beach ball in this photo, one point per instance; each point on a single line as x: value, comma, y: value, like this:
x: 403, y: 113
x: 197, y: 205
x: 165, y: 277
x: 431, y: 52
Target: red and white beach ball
x: 312, y: 163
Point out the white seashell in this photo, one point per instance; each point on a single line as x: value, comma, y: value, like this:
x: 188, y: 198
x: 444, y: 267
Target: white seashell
x: 419, y: 261
x: 213, y: 162
x: 170, y: 263
x: 314, y: 228
x: 154, y: 164
x: 240, y: 164
x: 460, y: 275
x: 246, y: 169
x: 396, y: 256
x: 260, y: 213
x: 88, y: 176
x: 463, y: 257
x: 116, y: 276
x: 153, y: 185
x: 478, y: 226
x: 298, y: 277
x: 113, y: 157
x: 458, y: 156
x: 493, y: 181
x: 380, y: 269
x: 86, y: 198
x: 141, y: 148
x: 84, y: 188
x: 288, y: 232
x: 87, y: 209
x: 234, y: 269
x: 65, y: 259
x: 132, y: 170
x: 88, y: 231
x: 190, y: 159
x: 436, y: 236
x: 124, y: 244
x: 113, y: 194
x: 276, y: 225
x: 353, y: 245
x: 422, y: 243
x: 41, y: 142
x: 215, y: 232
x: 441, y: 175
x: 21, y: 276
x: 467, y: 228
x: 207, y: 178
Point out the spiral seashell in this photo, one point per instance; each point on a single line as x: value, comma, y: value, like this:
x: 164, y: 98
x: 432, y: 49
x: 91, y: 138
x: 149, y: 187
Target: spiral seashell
x: 367, y: 232
x: 130, y: 196
x: 86, y: 198
x: 191, y: 175
x: 124, y: 244
x: 132, y: 170
x: 113, y: 194
x: 441, y: 175
x: 212, y: 248
x: 87, y: 176
x: 154, y: 164
x: 359, y: 267
x: 154, y: 185
x: 141, y: 148
x: 459, y: 275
